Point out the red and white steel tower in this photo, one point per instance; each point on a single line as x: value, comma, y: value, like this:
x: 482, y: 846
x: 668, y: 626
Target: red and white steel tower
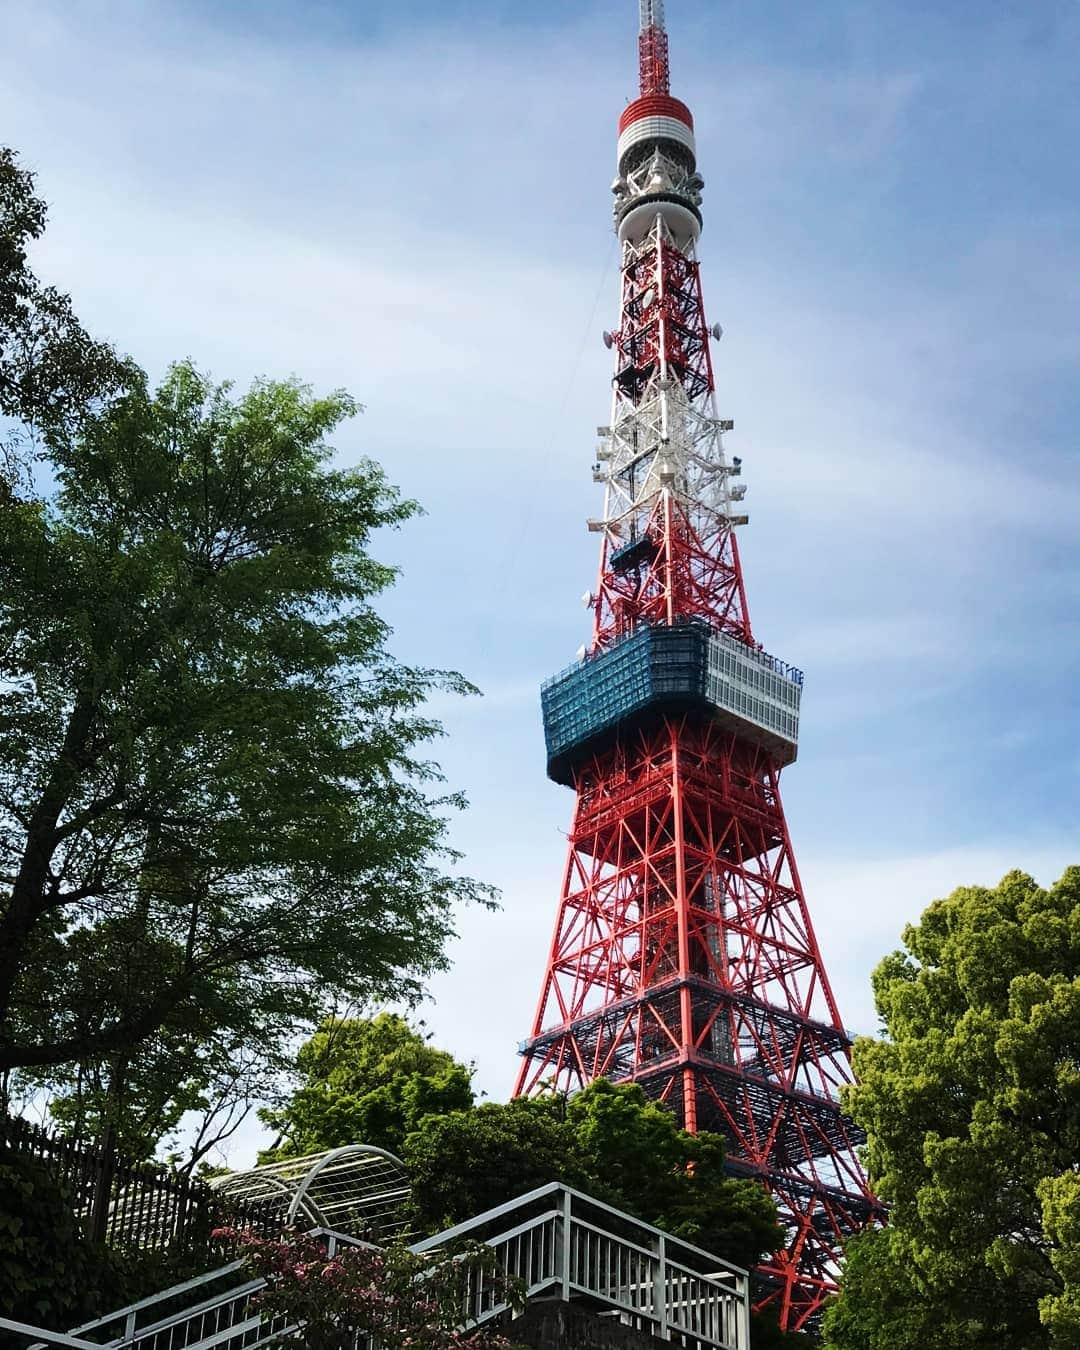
x: 683, y: 957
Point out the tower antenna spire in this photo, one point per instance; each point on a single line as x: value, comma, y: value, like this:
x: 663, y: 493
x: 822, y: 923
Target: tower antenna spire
x: 653, y: 49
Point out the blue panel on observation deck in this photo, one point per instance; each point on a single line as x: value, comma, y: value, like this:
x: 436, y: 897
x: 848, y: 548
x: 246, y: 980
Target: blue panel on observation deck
x: 664, y: 669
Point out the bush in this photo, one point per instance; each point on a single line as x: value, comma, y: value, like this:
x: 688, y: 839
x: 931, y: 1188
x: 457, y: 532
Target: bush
x: 50, y: 1274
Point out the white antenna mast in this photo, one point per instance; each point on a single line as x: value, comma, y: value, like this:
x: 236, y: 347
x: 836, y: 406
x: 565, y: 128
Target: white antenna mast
x: 652, y: 14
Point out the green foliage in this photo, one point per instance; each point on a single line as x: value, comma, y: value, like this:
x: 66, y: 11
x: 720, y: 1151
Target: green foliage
x: 367, y: 1080
x: 379, y: 1081
x: 50, y: 1275
x: 634, y: 1149
x: 884, y: 1302
x: 607, y: 1140
x: 469, y: 1161
x: 972, y: 1106
x: 50, y: 369
x: 138, y: 1100
x: 215, y: 820
x: 1059, y: 1197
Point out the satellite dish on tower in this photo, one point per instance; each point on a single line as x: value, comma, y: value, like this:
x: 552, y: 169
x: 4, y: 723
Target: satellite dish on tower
x: 609, y: 339
x: 716, y: 332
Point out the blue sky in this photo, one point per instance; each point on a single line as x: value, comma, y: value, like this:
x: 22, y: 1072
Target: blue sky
x: 411, y: 200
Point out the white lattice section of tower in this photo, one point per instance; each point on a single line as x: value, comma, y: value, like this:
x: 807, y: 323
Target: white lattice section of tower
x: 652, y: 14
x: 665, y: 441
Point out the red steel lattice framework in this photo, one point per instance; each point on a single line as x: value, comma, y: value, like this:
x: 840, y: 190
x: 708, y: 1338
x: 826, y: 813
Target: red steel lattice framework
x: 683, y: 956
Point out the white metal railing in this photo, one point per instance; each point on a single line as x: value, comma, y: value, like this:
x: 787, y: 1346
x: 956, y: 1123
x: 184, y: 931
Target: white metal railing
x: 211, y: 1310
x: 22, y: 1332
x: 554, y: 1240
x: 557, y: 1239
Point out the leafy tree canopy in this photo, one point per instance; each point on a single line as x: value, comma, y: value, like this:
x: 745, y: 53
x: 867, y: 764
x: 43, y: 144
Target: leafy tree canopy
x: 609, y: 1141
x: 656, y: 1170
x: 50, y: 369
x: 380, y: 1081
x: 367, y: 1080
x: 215, y: 815
x: 191, y: 1067
x: 972, y: 1107
x: 466, y: 1162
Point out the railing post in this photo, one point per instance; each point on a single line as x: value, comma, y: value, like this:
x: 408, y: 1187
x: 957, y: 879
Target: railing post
x: 566, y: 1246
x: 660, y: 1291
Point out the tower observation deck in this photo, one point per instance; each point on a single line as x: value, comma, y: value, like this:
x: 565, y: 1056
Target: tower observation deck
x: 683, y: 956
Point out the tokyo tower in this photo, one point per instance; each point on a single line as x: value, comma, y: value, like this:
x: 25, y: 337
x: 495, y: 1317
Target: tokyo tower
x: 683, y: 956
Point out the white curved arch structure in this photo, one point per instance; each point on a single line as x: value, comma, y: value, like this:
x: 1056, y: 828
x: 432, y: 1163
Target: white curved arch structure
x: 359, y: 1190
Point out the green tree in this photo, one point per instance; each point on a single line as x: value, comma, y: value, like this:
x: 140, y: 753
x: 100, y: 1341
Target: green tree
x: 1059, y: 1197
x: 216, y: 819
x: 466, y: 1162
x: 367, y: 1081
x: 649, y: 1166
x: 609, y: 1141
x: 191, y: 1067
x: 50, y: 369
x: 972, y: 1107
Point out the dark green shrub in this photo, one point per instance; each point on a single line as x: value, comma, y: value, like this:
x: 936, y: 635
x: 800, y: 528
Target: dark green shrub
x: 50, y: 1274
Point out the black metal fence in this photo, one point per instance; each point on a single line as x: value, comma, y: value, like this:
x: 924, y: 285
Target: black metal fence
x: 127, y: 1203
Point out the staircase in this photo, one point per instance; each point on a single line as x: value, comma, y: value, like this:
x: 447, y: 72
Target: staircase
x: 560, y: 1243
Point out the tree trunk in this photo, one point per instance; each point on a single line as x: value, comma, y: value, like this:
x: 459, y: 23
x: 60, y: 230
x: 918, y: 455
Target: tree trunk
x: 28, y: 900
